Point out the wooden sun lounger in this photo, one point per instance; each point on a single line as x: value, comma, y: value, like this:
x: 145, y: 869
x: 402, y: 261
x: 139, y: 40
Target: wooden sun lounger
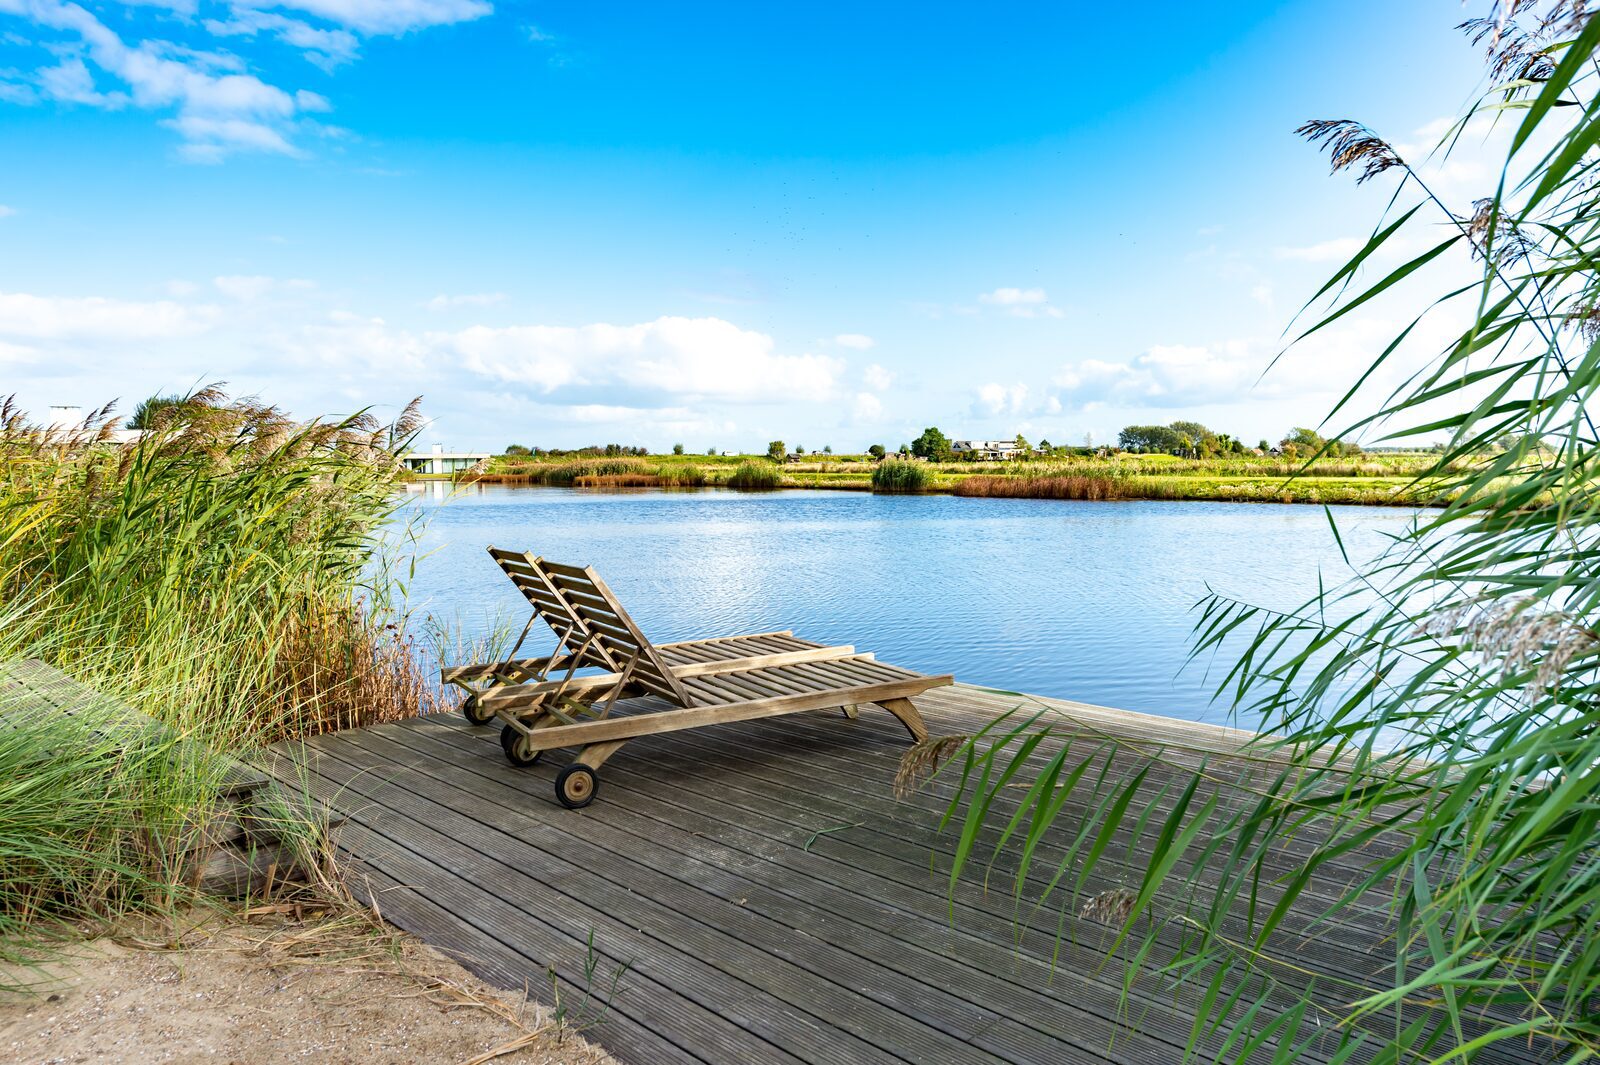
x: 704, y: 682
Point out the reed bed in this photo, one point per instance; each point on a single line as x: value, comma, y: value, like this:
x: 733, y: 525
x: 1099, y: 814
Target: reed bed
x: 227, y: 575
x: 897, y: 476
x: 754, y: 476
x: 1057, y: 486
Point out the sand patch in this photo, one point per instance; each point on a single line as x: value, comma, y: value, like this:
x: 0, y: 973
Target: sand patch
x: 274, y: 991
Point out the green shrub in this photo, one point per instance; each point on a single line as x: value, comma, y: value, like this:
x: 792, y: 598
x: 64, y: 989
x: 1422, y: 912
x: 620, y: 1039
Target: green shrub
x: 754, y: 476
x: 895, y: 475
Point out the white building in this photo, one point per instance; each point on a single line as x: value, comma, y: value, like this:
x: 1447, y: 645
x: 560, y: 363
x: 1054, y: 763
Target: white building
x: 440, y: 463
x: 71, y: 419
x: 988, y: 450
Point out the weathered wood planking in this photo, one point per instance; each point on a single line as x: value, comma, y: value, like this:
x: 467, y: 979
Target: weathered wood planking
x: 770, y: 898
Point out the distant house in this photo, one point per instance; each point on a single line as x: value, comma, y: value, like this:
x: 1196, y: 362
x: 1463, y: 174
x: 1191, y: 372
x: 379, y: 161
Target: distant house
x: 72, y: 420
x: 442, y: 463
x: 987, y: 450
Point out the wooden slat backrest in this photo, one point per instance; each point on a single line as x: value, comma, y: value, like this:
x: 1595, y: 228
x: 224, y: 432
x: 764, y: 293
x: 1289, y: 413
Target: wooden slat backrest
x: 522, y: 568
x: 589, y: 598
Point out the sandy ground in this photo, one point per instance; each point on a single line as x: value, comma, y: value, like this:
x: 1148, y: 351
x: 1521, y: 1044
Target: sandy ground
x: 273, y: 989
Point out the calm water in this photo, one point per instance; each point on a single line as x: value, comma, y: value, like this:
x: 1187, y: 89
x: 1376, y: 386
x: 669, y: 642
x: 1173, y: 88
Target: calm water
x: 1088, y: 601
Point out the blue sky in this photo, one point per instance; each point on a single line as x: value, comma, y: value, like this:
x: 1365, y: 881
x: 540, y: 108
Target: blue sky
x: 713, y: 224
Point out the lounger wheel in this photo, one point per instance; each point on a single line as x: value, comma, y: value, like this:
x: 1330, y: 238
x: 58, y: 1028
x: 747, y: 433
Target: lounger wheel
x: 576, y: 786
x: 472, y: 709
x: 519, y: 749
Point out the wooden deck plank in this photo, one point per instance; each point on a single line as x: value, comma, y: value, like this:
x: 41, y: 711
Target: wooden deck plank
x: 678, y: 925
x: 776, y: 899
x: 765, y: 917
x: 894, y: 869
x: 858, y: 911
x: 516, y: 905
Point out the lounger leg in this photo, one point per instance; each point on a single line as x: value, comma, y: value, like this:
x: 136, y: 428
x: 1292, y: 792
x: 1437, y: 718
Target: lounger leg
x: 578, y: 783
x: 909, y: 717
x: 595, y: 755
x: 852, y: 711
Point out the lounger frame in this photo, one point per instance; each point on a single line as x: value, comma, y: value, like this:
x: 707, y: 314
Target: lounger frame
x: 540, y: 711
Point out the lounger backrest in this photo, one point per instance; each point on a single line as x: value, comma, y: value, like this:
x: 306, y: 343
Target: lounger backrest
x: 523, y: 570
x: 613, y: 629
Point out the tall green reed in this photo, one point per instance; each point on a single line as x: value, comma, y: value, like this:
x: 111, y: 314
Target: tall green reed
x: 227, y: 575
x: 1431, y: 731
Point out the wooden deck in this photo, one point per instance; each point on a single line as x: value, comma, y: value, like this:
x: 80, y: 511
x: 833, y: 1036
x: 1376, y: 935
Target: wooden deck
x: 763, y: 894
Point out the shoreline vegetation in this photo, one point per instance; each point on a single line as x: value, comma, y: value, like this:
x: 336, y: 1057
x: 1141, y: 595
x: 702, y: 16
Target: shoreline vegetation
x: 229, y: 575
x: 1373, y: 479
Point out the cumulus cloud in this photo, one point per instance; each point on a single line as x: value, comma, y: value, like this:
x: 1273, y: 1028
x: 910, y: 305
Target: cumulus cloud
x: 674, y: 355
x: 877, y: 378
x: 210, y: 99
x: 996, y: 399
x: 1172, y: 375
x: 443, y: 302
x: 1021, y: 302
x: 27, y: 316
x: 857, y: 341
x: 866, y: 407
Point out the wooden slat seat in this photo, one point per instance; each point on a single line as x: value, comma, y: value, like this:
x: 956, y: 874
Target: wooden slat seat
x: 714, y: 681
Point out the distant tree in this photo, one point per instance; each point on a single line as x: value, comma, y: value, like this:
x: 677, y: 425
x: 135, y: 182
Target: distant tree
x: 144, y: 415
x: 877, y: 451
x: 1304, y: 439
x: 827, y: 449
x: 798, y: 450
x: 1044, y: 445
x: 1264, y: 446
x: 932, y: 445
x: 1023, y: 446
x: 1149, y: 438
x: 905, y: 449
x: 1197, y: 439
x: 711, y: 451
x: 776, y: 451
x: 518, y: 451
x: 677, y: 449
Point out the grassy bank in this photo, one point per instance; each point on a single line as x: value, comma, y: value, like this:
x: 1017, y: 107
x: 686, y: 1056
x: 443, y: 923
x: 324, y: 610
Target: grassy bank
x: 1372, y: 480
x: 226, y: 576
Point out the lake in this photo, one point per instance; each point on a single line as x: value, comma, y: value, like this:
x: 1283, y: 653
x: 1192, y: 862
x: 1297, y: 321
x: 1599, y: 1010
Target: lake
x: 1085, y: 601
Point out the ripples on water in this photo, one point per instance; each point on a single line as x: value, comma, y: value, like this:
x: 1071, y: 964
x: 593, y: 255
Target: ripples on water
x: 1086, y: 601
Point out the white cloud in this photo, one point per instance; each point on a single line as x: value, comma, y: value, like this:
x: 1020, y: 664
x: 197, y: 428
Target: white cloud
x: 866, y: 407
x: 1262, y: 294
x: 443, y: 302
x: 390, y: 17
x: 877, y: 378
x: 996, y: 399
x: 348, y: 340
x: 7, y: 212
x: 243, y: 288
x: 858, y: 341
x: 324, y: 47
x: 673, y: 355
x: 70, y: 82
x: 1021, y: 302
x: 1172, y: 375
x: 27, y: 316
x: 214, y: 104
x: 1338, y: 249
x: 248, y: 287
